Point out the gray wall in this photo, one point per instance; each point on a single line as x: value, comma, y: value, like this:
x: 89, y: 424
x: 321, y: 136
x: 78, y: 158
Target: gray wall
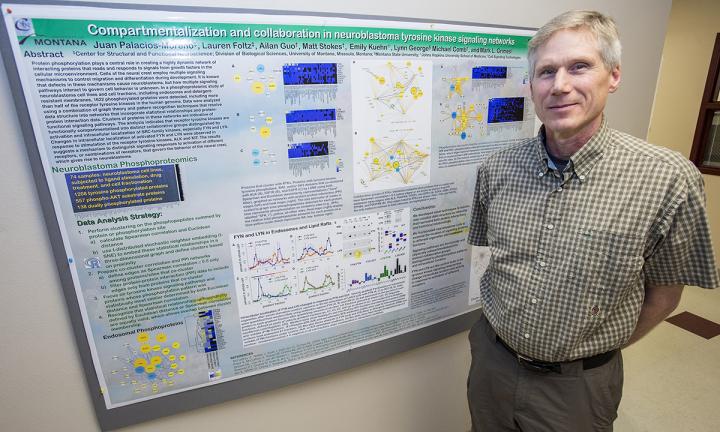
x: 42, y: 386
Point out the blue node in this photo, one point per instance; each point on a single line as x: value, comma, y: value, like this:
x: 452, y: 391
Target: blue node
x: 255, y: 152
x: 463, y: 135
x: 152, y: 376
x: 453, y: 115
x: 260, y: 68
x: 256, y: 162
x: 392, y: 157
x: 140, y: 369
x: 397, y: 169
x: 452, y: 87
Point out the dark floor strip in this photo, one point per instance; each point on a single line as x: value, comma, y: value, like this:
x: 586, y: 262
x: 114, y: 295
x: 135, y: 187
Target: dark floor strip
x: 695, y: 324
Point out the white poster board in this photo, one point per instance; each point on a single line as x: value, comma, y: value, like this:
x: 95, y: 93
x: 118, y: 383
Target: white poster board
x: 232, y: 194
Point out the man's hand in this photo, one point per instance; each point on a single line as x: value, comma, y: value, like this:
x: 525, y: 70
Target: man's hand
x: 660, y: 301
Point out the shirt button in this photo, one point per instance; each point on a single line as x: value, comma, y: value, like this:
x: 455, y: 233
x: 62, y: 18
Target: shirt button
x: 526, y: 335
x: 542, y: 263
x: 560, y: 189
x: 549, y: 226
x: 534, y: 301
x: 582, y: 177
x: 540, y: 174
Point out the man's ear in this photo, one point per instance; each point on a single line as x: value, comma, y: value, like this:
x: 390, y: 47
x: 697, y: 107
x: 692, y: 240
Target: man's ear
x: 615, y: 78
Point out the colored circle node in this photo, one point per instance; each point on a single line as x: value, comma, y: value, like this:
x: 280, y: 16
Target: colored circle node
x: 181, y: 371
x: 183, y: 357
x: 140, y: 369
x: 150, y: 369
x: 174, y: 366
x: 237, y: 77
x: 143, y: 337
x: 176, y: 345
x: 139, y: 362
x: 258, y: 87
x: 260, y: 68
x: 171, y: 358
x: 166, y: 351
x: 396, y: 164
x: 272, y: 86
x: 152, y: 376
x: 381, y: 80
x: 171, y: 374
x: 161, y: 337
x: 264, y: 132
x: 156, y: 360
x: 268, y: 120
x: 145, y: 348
x: 156, y: 348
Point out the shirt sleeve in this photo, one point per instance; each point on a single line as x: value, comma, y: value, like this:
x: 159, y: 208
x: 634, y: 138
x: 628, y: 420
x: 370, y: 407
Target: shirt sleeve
x: 478, y: 219
x: 683, y: 253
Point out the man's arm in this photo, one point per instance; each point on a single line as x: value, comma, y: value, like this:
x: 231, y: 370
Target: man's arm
x: 660, y: 301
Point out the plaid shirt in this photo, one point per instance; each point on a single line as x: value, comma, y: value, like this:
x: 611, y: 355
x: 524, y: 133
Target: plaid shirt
x: 573, y: 252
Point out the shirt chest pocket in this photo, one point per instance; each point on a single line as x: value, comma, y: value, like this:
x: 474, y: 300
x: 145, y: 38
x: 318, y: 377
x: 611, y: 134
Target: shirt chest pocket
x: 606, y: 266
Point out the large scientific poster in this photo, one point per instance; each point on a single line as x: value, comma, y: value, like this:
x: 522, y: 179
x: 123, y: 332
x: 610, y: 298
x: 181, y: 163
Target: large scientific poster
x: 239, y: 193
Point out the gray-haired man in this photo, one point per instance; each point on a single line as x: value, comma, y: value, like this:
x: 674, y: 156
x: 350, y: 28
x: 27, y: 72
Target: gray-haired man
x: 593, y: 234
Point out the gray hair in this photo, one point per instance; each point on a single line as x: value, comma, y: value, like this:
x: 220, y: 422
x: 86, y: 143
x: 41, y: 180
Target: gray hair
x: 602, y: 27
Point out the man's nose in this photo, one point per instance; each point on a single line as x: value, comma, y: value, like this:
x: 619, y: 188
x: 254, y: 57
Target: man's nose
x: 561, y: 84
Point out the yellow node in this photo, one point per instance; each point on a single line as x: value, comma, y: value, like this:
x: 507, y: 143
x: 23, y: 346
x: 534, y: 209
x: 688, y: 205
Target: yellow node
x: 372, y: 140
x: 155, y: 360
x: 139, y: 362
x: 366, y: 154
x: 145, y: 348
x: 171, y: 374
x: 183, y: 357
x: 264, y: 131
x: 357, y: 254
x: 143, y: 337
x: 268, y: 120
x: 176, y: 345
x: 150, y: 369
x: 171, y: 358
x: 471, y: 108
x: 272, y: 86
x: 399, y: 85
x: 376, y: 161
x: 414, y: 91
x: 237, y: 77
x: 166, y: 351
x: 408, y: 63
x: 156, y: 348
x: 387, y: 164
x: 396, y: 164
x: 161, y: 337
x: 381, y: 80
x: 479, y: 117
x: 181, y: 371
x: 258, y: 87
x: 173, y: 366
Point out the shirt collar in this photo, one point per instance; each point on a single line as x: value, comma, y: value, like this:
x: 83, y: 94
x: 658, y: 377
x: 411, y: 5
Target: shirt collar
x: 583, y: 160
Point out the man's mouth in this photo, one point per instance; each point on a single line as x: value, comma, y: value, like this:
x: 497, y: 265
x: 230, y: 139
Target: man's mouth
x: 561, y: 106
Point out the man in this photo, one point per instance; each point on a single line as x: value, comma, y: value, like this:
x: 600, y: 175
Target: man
x: 593, y: 234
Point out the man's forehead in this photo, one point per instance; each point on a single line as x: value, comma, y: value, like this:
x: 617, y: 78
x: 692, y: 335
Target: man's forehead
x: 568, y: 44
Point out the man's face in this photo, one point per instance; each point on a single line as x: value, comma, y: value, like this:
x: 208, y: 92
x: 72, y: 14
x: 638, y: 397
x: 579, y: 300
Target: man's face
x: 570, y: 84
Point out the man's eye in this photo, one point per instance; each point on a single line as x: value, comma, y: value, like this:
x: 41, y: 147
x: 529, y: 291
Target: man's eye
x: 580, y: 66
x: 546, y: 72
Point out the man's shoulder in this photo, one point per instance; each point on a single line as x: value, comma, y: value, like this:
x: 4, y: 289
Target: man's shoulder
x: 653, y: 155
